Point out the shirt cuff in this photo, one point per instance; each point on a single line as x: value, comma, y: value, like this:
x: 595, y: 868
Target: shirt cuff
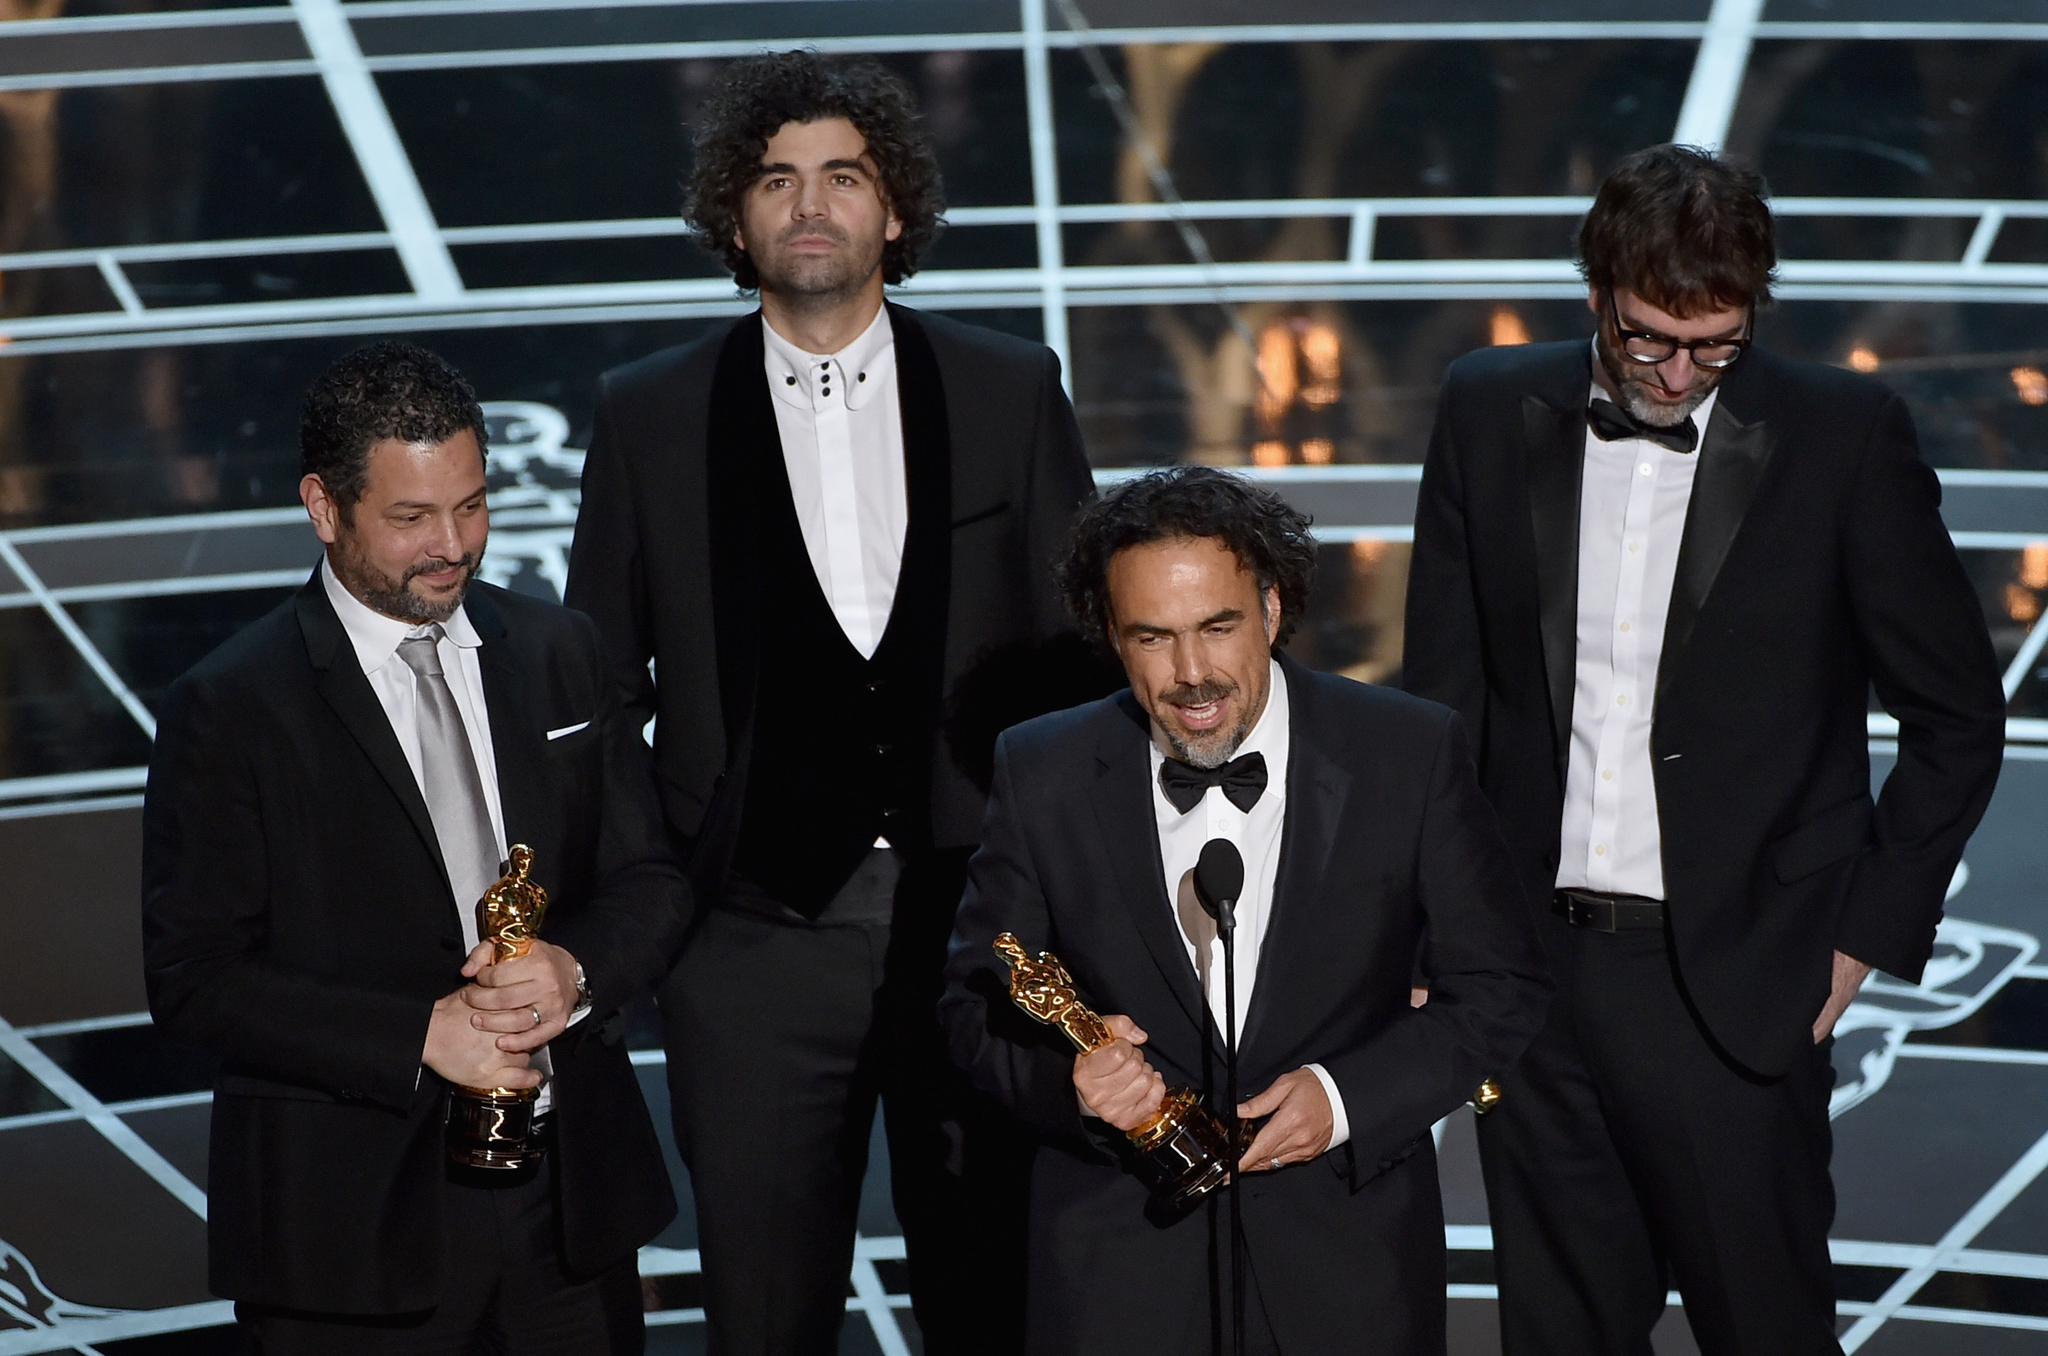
x: 578, y: 1015
x: 1340, y: 1125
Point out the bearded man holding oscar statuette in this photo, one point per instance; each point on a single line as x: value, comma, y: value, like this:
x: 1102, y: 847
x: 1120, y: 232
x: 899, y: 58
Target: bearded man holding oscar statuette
x: 402, y: 865
x: 1364, y: 844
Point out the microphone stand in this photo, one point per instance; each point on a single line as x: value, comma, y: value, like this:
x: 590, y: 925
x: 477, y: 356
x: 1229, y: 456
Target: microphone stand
x: 1226, y: 927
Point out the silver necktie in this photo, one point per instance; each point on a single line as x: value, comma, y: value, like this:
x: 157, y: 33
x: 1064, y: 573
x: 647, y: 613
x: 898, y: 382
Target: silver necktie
x: 454, y: 791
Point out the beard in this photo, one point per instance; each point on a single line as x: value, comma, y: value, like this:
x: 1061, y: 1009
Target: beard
x: 394, y: 597
x: 814, y: 280
x: 1215, y: 748
x: 1633, y: 392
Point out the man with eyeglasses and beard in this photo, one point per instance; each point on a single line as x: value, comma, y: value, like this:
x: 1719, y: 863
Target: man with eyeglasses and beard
x: 1659, y: 575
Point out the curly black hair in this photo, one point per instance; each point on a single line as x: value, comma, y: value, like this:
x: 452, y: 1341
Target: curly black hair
x: 386, y: 390
x: 762, y: 93
x: 1268, y: 536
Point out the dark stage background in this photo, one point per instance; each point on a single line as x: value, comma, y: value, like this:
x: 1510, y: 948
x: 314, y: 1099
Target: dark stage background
x: 200, y: 207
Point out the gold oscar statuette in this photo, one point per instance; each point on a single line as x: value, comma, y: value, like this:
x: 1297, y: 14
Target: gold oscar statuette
x: 489, y: 1127
x: 1487, y: 1098
x: 1183, y: 1152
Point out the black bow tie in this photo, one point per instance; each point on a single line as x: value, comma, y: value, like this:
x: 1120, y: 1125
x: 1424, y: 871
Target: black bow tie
x: 1611, y: 423
x: 1243, y: 781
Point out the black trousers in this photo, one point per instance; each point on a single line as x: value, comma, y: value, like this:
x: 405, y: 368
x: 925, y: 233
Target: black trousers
x: 508, y: 1294
x: 781, y: 1036
x: 1628, y: 1156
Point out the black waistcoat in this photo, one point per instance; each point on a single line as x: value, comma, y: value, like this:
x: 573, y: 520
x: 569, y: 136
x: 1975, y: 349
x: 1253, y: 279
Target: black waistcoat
x: 829, y: 749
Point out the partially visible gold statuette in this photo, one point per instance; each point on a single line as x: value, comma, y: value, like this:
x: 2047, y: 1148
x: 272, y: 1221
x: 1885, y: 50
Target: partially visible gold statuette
x: 489, y: 1127
x: 1183, y: 1151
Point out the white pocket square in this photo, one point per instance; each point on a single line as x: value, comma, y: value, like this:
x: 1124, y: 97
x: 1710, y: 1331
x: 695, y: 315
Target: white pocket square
x: 568, y: 729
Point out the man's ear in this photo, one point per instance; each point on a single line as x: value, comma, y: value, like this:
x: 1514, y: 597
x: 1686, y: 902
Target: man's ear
x: 321, y: 508
x: 1272, y: 610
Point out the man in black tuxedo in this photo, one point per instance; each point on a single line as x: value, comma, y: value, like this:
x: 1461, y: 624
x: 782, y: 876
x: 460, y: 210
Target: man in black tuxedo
x: 332, y: 792
x: 1366, y: 843
x: 823, y: 523
x: 1665, y: 643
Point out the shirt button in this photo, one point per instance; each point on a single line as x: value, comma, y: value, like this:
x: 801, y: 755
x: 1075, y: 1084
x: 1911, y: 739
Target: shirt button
x: 1644, y: 468
x: 1634, y: 547
x: 1624, y: 626
x: 1622, y: 700
x: 1600, y: 850
x: 1608, y: 775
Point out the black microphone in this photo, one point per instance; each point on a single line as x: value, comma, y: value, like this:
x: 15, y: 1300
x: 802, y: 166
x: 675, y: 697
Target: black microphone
x: 1219, y: 880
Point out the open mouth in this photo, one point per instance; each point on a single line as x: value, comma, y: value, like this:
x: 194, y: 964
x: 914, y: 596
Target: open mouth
x: 1201, y: 715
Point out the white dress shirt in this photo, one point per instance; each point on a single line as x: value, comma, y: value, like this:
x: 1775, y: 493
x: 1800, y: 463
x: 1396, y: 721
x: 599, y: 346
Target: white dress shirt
x: 842, y: 442
x: 376, y: 639
x: 1257, y: 837
x: 1632, y: 504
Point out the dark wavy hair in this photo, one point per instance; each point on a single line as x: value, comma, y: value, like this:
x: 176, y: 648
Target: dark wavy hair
x: 1684, y: 230
x: 1268, y: 536
x: 387, y: 390
x: 762, y: 93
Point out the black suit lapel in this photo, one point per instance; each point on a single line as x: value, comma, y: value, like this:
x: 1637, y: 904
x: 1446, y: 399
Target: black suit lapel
x: 927, y: 430
x: 917, y: 616
x: 1733, y: 457
x: 517, y: 741
x: 1556, y: 435
x: 742, y: 433
x: 345, y: 689
x: 1316, y: 790
x: 1130, y: 842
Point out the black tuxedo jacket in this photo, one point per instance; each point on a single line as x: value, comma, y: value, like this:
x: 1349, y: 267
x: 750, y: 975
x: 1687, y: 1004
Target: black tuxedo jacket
x: 1388, y: 847
x: 642, y: 563
x: 298, y: 923
x: 1813, y: 565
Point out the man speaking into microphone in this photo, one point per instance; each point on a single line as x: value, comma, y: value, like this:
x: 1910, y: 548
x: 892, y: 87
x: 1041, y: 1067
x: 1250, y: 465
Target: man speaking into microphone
x: 1365, y: 843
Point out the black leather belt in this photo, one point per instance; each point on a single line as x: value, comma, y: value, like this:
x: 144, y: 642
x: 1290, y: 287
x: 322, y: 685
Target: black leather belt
x: 1601, y: 912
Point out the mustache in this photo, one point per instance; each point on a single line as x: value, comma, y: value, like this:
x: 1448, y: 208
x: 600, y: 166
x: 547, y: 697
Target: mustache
x: 435, y: 564
x: 1195, y: 694
x: 831, y: 232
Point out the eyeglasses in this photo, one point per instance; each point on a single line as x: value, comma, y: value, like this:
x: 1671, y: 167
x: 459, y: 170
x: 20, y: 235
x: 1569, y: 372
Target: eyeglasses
x: 1651, y: 349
